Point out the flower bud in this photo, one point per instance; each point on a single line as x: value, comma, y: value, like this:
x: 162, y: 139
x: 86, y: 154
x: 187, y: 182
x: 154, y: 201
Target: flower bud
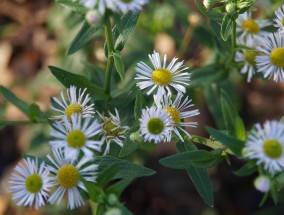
x: 231, y: 8
x: 113, y: 211
x: 135, y: 136
x: 262, y: 183
x: 112, y: 199
x: 93, y: 17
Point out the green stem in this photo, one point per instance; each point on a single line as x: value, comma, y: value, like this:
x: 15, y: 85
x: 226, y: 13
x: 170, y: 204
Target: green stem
x: 110, y: 62
x: 94, y: 207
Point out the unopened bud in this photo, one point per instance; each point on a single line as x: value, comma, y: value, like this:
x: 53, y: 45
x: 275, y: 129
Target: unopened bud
x: 194, y: 19
x: 136, y: 137
x: 113, y: 211
x: 262, y: 183
x: 112, y: 199
x: 231, y: 8
x: 93, y: 17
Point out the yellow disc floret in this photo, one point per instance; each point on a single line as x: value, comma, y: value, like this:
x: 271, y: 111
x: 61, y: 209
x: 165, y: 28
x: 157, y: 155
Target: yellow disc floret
x: 110, y: 128
x: 73, y: 108
x: 33, y: 183
x: 68, y: 176
x: 175, y: 115
x: 277, y: 57
x: 162, y: 77
x: 273, y: 148
x: 250, y: 26
x: 76, y: 139
x: 250, y: 56
x: 155, y: 126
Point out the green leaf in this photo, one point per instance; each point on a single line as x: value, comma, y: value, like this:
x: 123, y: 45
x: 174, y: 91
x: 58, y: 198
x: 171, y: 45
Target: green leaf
x: 30, y: 110
x: 199, y: 177
x: 118, y: 63
x: 128, y: 23
x: 106, y: 175
x: 139, y: 104
x: 86, y: 33
x: 199, y: 158
x: 118, y: 187
x: 34, y: 112
x: 209, y: 13
x: 244, y: 5
x: 247, y: 169
x: 96, y: 194
x: 206, y: 75
x: 232, y: 143
x: 128, y: 145
x: 227, y: 26
x: 75, y: 6
x: 68, y: 78
x: 233, y: 123
x: 126, y: 169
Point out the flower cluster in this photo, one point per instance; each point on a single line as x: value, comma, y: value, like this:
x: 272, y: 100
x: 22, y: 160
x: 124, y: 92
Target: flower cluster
x: 265, y: 52
x: 77, y: 135
x: 168, y: 115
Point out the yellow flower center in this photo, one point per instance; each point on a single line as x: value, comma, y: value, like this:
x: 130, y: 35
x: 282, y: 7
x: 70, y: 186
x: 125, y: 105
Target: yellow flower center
x: 33, y: 183
x: 162, y: 77
x: 250, y: 56
x: 76, y: 139
x: 175, y: 115
x: 73, y: 108
x: 250, y: 26
x: 277, y: 57
x: 111, y: 129
x: 68, y: 176
x: 155, y: 126
x: 273, y: 148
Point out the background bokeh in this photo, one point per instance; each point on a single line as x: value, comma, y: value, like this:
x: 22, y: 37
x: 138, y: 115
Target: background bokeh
x: 36, y: 33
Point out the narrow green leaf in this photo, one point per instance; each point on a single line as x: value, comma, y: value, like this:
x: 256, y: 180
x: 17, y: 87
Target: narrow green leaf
x: 126, y: 169
x: 75, y: 6
x: 118, y: 187
x: 68, y: 78
x: 11, y: 97
x: 128, y: 145
x: 128, y: 23
x: 107, y: 175
x: 199, y: 177
x: 34, y: 112
x: 232, y: 143
x: 86, y: 33
x: 96, y: 194
x: 101, y: 209
x: 209, y: 13
x: 118, y: 63
x: 227, y: 26
x: 139, y: 104
x: 199, y: 158
x: 243, y: 6
x: 30, y: 110
x: 247, y: 169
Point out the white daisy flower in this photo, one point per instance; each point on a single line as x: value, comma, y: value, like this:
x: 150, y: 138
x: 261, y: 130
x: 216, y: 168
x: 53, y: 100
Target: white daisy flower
x: 262, y: 183
x: 178, y: 111
x: 250, y: 28
x: 75, y: 103
x: 66, y: 177
x: 162, y: 77
x: 271, y: 63
x: 248, y: 57
x: 125, y: 5
x: 279, y: 20
x: 156, y: 125
x: 76, y: 135
x: 266, y: 145
x: 92, y: 4
x: 30, y: 184
x: 112, y: 130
